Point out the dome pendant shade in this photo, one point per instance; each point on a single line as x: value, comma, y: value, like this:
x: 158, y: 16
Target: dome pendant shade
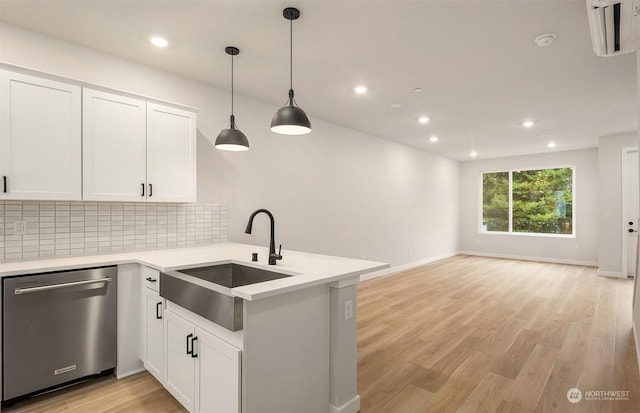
x: 232, y: 139
x: 290, y: 120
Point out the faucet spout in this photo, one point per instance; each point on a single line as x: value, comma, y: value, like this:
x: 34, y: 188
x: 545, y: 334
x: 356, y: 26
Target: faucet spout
x: 273, y: 257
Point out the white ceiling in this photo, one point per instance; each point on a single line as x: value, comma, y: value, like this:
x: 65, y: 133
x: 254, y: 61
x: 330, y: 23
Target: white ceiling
x: 480, y: 71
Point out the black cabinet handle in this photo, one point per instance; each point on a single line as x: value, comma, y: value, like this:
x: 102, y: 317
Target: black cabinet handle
x: 193, y: 348
x: 632, y: 230
x: 150, y: 190
x: 159, y: 310
x: 142, y: 189
x: 151, y: 280
x: 4, y: 184
x: 189, y: 351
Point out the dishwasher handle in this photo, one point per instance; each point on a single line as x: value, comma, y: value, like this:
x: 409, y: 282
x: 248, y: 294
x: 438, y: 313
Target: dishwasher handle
x: 19, y: 291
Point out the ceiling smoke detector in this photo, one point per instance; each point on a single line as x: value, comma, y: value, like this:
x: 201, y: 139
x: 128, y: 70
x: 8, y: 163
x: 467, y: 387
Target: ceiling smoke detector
x: 545, y: 39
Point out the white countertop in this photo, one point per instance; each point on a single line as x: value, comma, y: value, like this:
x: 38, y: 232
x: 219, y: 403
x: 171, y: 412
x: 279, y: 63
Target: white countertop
x: 306, y: 269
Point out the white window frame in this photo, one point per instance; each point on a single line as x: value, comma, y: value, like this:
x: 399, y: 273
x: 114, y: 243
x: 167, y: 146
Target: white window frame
x: 526, y: 234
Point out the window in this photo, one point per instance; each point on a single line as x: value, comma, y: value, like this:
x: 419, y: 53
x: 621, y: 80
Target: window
x: 538, y: 201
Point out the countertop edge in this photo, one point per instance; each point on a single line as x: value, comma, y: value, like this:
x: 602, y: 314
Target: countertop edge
x: 309, y: 277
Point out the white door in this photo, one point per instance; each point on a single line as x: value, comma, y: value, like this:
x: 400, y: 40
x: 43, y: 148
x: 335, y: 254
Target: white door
x: 171, y: 154
x: 40, y: 138
x: 114, y: 147
x: 630, y: 212
x: 218, y: 372
x: 180, y: 378
x: 154, y: 337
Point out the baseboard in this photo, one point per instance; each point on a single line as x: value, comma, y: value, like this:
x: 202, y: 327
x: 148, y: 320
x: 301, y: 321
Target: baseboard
x: 404, y: 267
x: 528, y: 258
x: 129, y: 373
x: 352, y: 406
x: 614, y: 274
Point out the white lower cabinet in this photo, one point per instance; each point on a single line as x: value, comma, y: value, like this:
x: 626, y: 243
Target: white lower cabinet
x: 202, y: 372
x: 153, y: 339
x: 218, y: 374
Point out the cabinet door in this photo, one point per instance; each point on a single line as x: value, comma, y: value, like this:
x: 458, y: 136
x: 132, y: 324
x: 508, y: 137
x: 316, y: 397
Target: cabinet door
x: 40, y: 138
x: 171, y: 154
x: 180, y: 364
x: 113, y: 147
x: 153, y: 340
x: 218, y: 372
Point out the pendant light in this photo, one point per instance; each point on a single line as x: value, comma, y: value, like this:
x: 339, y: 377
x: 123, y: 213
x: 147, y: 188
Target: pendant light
x: 290, y: 119
x: 232, y: 139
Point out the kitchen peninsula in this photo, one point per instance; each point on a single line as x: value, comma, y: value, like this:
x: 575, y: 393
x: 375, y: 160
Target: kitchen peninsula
x: 295, y: 352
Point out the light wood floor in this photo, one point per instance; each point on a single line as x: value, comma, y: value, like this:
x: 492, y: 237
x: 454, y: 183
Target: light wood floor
x: 466, y: 335
x: 471, y: 334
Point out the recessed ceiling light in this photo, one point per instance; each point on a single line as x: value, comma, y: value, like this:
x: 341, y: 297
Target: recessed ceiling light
x: 527, y: 123
x: 423, y: 119
x: 433, y: 139
x: 417, y: 90
x: 395, y: 105
x: 159, y: 41
x: 551, y: 145
x: 473, y: 154
x: 360, y: 89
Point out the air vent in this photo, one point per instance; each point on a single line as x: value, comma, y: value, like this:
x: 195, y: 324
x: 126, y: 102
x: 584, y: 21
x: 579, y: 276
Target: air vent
x: 615, y: 26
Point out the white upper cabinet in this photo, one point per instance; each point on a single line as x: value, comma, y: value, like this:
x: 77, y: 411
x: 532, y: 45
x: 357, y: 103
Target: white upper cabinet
x: 40, y: 138
x: 171, y: 154
x: 137, y: 151
x: 114, y: 147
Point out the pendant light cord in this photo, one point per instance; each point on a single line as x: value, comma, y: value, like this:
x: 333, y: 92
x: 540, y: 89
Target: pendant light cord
x: 291, y: 54
x: 231, y: 85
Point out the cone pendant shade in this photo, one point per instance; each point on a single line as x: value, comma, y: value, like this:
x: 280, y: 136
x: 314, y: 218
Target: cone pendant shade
x: 291, y: 119
x: 232, y: 139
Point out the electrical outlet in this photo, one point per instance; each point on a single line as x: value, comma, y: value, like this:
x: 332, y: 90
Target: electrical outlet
x: 19, y: 227
x: 348, y: 309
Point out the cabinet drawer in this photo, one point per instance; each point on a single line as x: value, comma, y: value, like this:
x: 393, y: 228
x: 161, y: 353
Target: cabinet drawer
x: 150, y: 278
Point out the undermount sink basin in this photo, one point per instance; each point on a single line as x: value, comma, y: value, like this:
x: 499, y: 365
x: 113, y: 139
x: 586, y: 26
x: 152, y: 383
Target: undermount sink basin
x: 220, y: 308
x: 233, y: 275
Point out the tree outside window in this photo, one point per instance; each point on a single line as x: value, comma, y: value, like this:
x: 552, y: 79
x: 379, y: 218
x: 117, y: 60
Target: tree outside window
x: 541, y: 201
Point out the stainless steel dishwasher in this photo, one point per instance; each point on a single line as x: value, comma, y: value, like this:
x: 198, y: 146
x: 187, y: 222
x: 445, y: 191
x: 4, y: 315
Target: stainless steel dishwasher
x: 57, y: 328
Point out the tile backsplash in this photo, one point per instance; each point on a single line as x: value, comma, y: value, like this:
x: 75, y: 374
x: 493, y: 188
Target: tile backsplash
x: 58, y: 229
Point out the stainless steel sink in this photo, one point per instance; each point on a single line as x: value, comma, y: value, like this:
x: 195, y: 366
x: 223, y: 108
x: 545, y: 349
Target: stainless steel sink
x: 233, y: 275
x: 220, y: 308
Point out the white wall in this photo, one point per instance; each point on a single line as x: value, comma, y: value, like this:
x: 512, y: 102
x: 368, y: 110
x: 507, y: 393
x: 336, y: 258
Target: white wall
x: 610, y: 201
x: 336, y: 191
x: 583, y: 249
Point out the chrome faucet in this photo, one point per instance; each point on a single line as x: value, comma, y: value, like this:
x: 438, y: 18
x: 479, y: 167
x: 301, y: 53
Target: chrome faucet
x: 273, y: 257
